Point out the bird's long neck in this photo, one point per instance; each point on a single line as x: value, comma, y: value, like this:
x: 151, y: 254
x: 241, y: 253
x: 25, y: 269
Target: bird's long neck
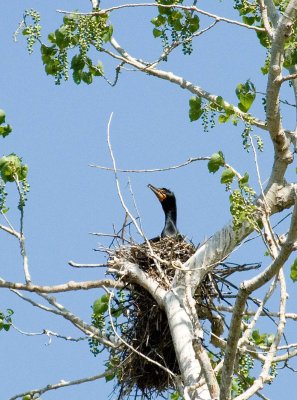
x: 170, y: 228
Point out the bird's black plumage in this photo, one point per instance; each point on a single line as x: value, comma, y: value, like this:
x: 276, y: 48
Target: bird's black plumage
x: 168, y: 202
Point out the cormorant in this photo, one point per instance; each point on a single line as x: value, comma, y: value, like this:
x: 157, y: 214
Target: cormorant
x: 168, y: 202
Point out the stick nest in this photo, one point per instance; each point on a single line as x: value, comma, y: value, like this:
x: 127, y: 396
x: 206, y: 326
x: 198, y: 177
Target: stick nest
x: 147, y: 329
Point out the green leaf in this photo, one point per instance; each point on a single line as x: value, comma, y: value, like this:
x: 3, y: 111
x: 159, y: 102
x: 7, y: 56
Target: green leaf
x: 6, y: 327
x: 47, y: 53
x: 100, y: 306
x: 52, y: 37
x: 175, y: 396
x: 244, y: 180
x: 227, y: 176
x: 62, y: 38
x: 109, y: 378
x: 194, y: 24
x: 248, y: 20
x: 220, y: 101
x: 293, y: 273
x: 5, y: 130
x: 77, y: 62
x: 258, y: 338
x: 157, y: 32
x: 87, y: 77
x: 52, y: 67
x: 164, y: 10
x: 291, y: 58
x: 159, y: 21
x: 116, y: 313
x: 77, y: 74
x: 97, y: 70
x: 174, y: 20
x: 216, y: 161
x: 10, y: 166
x: 2, y: 116
x: 22, y: 174
x: 223, y: 118
x: 195, y: 110
x: 264, y: 39
x: 107, y: 34
x: 246, y: 94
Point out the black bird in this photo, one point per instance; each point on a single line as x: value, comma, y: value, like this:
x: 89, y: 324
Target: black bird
x: 168, y: 202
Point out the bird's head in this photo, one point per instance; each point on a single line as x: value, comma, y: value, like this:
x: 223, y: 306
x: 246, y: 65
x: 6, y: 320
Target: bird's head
x: 165, y: 196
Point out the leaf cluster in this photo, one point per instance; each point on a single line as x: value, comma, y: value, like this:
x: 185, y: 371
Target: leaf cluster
x: 32, y: 29
x: 262, y: 339
x: 5, y: 129
x: 242, y: 207
x: 79, y: 32
x: 244, y: 379
x: 100, y: 315
x: 6, y: 320
x: 179, y: 24
x: 12, y: 168
x: 246, y: 94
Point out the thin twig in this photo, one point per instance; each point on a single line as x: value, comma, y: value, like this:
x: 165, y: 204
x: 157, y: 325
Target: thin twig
x: 22, y: 237
x: 178, y: 6
x: 49, y: 334
x: 61, y: 384
x: 76, y: 265
x: 64, y: 287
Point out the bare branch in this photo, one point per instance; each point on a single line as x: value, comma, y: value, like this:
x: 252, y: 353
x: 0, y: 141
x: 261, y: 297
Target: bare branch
x: 65, y: 287
x: 183, y: 164
x: 272, y: 12
x: 136, y: 275
x: 10, y: 231
x: 117, y: 181
x: 288, y: 78
x: 265, y: 19
x: 178, y: 6
x: 183, y: 83
x: 49, y: 334
x: 22, y: 237
x: 230, y: 309
x: 283, y: 155
x: 89, y: 330
x: 62, y: 384
x: 76, y: 265
x: 60, y: 310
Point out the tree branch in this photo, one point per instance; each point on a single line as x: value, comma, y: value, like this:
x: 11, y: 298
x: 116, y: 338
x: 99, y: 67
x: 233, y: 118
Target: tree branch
x: 246, y: 288
x: 178, y: 6
x: 62, y: 384
x: 265, y: 19
x: 65, y: 287
x: 283, y: 155
x: 10, y: 231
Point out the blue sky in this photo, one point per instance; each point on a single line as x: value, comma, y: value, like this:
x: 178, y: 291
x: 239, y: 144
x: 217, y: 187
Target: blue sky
x: 60, y: 130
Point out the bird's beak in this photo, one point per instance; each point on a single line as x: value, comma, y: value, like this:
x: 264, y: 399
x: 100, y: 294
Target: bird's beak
x: 158, y: 192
